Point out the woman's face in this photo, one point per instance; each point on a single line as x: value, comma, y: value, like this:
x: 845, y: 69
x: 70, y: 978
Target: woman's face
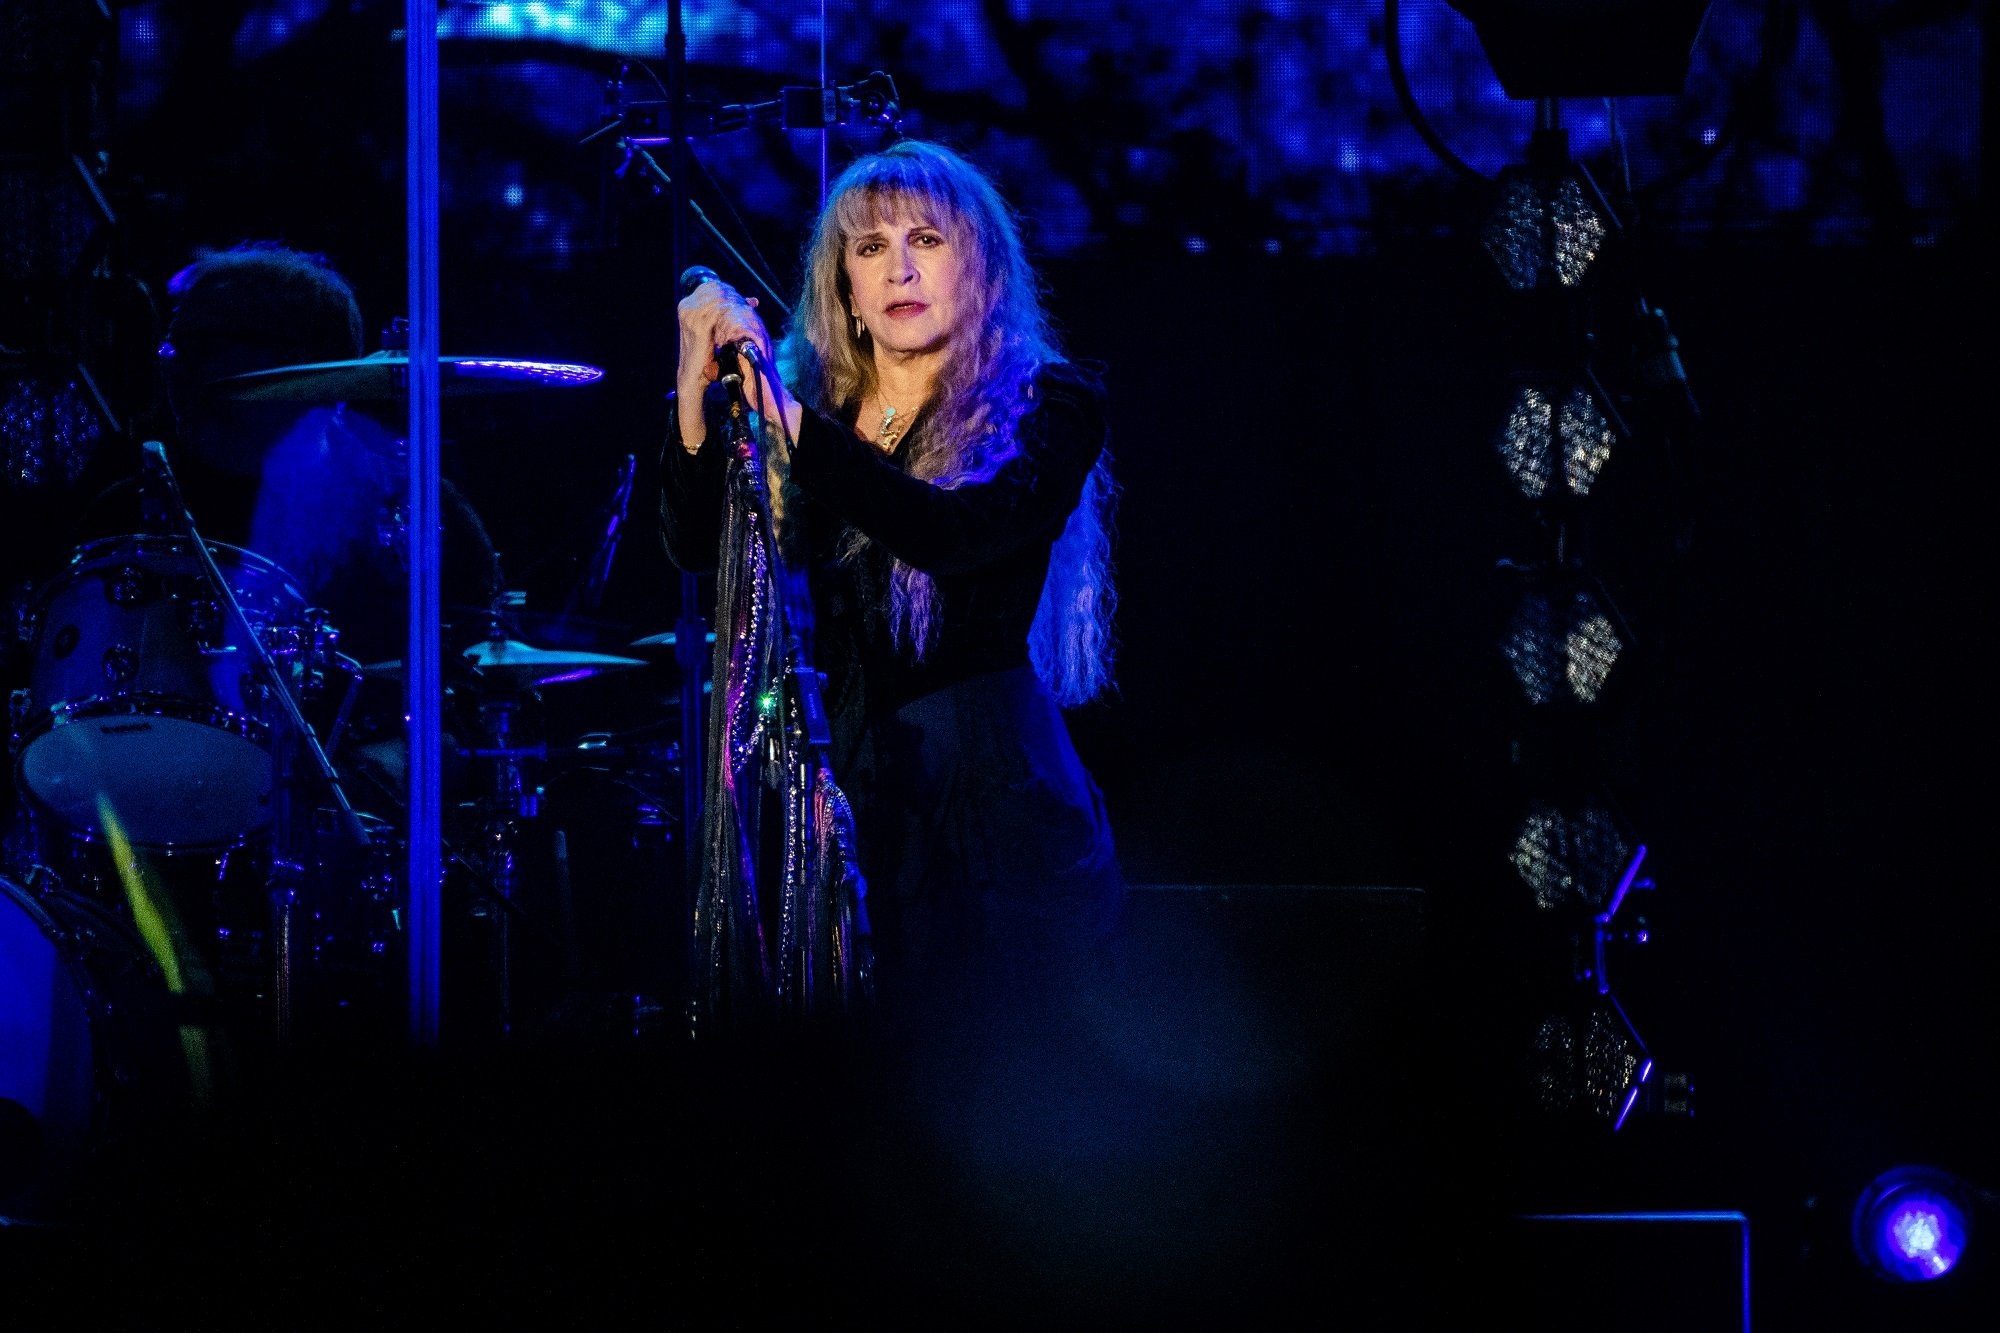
x: 907, y: 281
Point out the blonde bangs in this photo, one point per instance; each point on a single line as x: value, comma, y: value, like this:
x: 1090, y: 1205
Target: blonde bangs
x: 896, y: 188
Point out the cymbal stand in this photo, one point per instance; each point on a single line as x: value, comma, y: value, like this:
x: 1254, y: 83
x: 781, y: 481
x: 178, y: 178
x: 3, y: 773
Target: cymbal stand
x: 507, y: 800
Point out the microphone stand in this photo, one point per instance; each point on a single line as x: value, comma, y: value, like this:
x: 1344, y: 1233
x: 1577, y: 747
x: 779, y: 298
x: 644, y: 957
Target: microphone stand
x: 825, y: 953
x: 290, y: 733
x: 875, y: 98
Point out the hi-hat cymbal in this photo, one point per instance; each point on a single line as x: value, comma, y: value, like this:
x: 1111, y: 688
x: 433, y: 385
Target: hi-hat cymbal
x: 664, y: 640
x: 512, y: 664
x: 385, y: 376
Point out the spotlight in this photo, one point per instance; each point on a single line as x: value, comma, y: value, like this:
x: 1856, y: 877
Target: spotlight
x: 1562, y: 646
x: 1551, y: 434
x: 49, y: 428
x: 50, y: 210
x: 1911, y: 1224
x: 1588, y: 1060
x: 1567, y: 859
x: 1546, y: 229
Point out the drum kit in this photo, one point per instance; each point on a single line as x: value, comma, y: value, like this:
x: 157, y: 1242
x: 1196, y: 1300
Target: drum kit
x: 177, y: 902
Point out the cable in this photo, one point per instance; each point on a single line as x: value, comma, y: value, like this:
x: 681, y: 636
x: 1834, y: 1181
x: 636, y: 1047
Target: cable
x: 769, y: 278
x: 659, y: 173
x: 1392, y: 42
x: 651, y: 75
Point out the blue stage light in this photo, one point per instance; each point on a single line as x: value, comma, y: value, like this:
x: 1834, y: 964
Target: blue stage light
x: 1911, y: 1224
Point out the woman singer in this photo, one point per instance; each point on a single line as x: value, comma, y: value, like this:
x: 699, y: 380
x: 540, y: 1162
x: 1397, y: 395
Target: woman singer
x: 943, y: 474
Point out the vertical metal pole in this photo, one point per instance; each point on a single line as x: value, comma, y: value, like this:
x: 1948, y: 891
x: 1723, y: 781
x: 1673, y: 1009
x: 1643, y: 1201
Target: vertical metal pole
x: 825, y: 131
x: 423, y: 675
x: 690, y: 633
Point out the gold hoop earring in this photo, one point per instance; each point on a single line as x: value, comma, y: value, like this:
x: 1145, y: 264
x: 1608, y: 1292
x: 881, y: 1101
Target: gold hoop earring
x: 860, y: 329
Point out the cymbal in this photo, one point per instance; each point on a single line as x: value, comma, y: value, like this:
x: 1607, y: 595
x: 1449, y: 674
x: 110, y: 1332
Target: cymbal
x: 512, y: 658
x: 520, y: 666
x: 665, y: 640
x: 385, y: 376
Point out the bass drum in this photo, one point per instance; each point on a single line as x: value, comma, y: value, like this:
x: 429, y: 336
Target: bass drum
x: 89, y: 1051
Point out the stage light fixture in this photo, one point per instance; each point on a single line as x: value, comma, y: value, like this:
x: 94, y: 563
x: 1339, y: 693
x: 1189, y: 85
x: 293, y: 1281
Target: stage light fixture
x: 49, y: 210
x: 1562, y: 646
x: 1587, y: 48
x: 1574, y: 858
x: 49, y: 429
x: 1587, y: 1060
x: 1550, y: 433
x: 1546, y: 229
x: 1912, y: 1224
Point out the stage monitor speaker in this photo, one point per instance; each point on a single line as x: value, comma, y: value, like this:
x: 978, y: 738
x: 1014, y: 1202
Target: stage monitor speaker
x: 1634, y: 1272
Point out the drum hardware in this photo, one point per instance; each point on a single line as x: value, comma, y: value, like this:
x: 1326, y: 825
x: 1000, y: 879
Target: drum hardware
x: 201, y: 618
x: 509, y: 669
x: 310, y: 652
x: 508, y: 800
x: 120, y: 664
x: 21, y: 598
x: 128, y: 586
x: 504, y: 847
x: 336, y: 730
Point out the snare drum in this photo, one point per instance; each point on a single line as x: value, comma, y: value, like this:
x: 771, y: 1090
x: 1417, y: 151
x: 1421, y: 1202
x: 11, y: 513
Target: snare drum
x: 89, y: 1050
x: 142, y: 693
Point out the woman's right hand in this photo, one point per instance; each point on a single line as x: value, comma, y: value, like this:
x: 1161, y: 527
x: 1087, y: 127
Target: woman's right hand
x: 711, y: 315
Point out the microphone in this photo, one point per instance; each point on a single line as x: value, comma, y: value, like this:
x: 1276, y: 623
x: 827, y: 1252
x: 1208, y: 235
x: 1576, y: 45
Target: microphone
x: 153, y: 464
x: 872, y: 101
x: 692, y: 277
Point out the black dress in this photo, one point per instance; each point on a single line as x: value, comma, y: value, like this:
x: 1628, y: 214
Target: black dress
x: 983, y: 838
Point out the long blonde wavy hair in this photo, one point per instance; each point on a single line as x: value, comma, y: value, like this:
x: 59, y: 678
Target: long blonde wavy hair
x: 981, y: 393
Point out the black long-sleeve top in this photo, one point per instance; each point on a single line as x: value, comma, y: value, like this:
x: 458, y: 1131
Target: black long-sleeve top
x: 985, y: 543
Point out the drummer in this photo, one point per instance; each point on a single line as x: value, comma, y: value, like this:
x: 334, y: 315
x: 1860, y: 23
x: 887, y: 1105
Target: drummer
x: 314, y: 488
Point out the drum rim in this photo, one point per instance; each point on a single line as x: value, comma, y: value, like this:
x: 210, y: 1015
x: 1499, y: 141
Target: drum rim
x: 166, y: 543
x: 101, y: 550
x: 77, y: 943
x: 174, y: 707
x: 147, y: 703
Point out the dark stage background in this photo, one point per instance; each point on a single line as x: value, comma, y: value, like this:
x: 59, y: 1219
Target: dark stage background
x: 1307, y: 356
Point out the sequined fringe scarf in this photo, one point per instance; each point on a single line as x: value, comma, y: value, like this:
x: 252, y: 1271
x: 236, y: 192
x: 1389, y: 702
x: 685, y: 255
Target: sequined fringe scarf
x: 761, y: 764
